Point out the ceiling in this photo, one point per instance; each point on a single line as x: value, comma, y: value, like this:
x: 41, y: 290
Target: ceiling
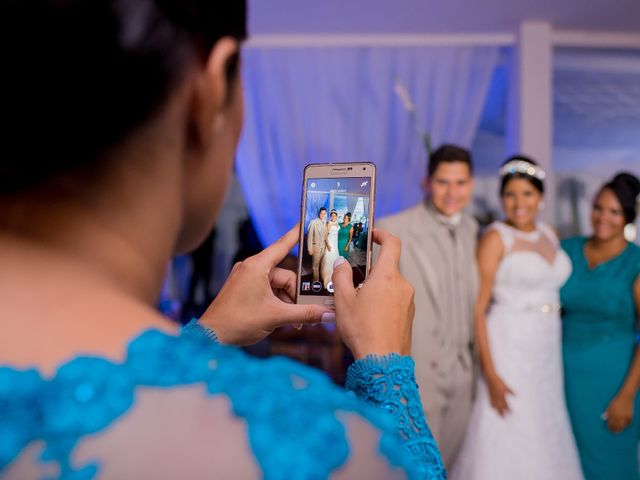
x: 437, y: 16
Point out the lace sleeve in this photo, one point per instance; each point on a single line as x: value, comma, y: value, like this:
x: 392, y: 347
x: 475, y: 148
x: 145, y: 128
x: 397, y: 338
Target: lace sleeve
x: 195, y: 330
x: 389, y: 383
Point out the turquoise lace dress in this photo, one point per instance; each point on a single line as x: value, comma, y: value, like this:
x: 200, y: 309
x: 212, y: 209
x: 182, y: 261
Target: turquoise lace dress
x: 292, y: 413
x: 599, y: 340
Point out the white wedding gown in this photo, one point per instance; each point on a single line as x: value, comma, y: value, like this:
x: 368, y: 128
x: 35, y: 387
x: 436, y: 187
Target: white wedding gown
x: 330, y: 256
x: 534, y: 440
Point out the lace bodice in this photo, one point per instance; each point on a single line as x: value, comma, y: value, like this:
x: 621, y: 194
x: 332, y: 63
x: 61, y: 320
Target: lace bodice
x: 292, y: 413
x: 532, y: 269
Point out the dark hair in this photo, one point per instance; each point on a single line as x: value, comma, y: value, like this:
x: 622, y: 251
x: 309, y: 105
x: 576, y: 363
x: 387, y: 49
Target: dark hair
x: 332, y: 212
x: 321, y: 209
x: 536, y: 182
x: 626, y: 188
x: 348, y: 214
x: 449, y: 154
x: 80, y: 75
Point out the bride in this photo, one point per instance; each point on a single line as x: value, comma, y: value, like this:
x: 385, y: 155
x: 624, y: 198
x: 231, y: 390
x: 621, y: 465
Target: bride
x: 519, y: 426
x: 331, y: 253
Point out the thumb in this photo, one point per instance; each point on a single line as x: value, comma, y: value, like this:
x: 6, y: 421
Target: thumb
x: 343, y: 281
x: 302, y: 315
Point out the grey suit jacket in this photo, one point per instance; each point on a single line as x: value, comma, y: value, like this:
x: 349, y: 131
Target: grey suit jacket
x: 317, y: 234
x: 441, y: 266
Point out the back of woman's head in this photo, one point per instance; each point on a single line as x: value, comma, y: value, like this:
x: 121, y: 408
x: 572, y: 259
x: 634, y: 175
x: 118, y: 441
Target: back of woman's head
x: 626, y: 188
x: 521, y: 166
x: 80, y: 75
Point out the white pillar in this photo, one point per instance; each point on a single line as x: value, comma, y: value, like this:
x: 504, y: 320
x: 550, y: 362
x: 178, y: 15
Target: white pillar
x: 530, y: 122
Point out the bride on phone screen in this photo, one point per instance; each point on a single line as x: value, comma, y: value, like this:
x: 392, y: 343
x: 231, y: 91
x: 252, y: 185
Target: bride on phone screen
x: 331, y: 252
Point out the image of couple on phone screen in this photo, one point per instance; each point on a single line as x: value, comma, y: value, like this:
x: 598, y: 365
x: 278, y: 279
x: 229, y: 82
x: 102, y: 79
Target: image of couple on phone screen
x: 336, y: 225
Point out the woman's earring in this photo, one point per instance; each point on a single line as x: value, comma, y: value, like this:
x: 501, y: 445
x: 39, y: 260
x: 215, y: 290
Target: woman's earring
x: 630, y: 232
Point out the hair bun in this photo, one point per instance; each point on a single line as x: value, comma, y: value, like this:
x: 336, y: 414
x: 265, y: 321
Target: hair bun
x: 628, y: 181
x: 626, y: 188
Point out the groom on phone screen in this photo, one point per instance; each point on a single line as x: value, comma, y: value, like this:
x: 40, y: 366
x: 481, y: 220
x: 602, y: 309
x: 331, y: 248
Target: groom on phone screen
x: 316, y: 239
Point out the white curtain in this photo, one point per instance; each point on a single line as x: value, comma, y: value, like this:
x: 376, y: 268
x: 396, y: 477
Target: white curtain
x: 318, y: 105
x: 352, y: 201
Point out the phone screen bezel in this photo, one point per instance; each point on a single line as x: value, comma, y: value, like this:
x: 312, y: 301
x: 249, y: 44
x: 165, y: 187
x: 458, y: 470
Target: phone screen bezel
x: 334, y: 170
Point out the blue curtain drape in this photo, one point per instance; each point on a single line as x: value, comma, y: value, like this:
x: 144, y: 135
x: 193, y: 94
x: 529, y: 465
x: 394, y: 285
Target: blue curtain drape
x: 318, y: 105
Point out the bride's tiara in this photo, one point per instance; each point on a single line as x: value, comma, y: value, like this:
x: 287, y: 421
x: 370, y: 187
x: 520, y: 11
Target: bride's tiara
x: 524, y: 167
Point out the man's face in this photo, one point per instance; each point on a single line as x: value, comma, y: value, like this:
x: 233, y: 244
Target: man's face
x: 450, y: 187
x: 322, y: 215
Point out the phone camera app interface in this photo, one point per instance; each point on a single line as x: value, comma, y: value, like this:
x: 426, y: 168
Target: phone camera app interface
x: 335, y: 224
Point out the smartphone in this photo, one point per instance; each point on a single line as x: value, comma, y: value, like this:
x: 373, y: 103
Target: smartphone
x: 336, y: 219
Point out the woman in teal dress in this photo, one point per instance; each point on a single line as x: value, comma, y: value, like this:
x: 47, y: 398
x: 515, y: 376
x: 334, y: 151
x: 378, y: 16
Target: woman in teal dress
x: 345, y: 234
x: 600, y: 304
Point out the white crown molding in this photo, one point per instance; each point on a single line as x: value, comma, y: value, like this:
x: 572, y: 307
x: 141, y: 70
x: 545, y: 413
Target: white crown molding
x: 560, y: 38
x: 390, y: 40
x: 594, y: 39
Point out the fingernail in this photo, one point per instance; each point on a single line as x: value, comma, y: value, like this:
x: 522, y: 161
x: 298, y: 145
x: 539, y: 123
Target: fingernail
x: 338, y: 261
x: 298, y: 327
x: 328, y: 317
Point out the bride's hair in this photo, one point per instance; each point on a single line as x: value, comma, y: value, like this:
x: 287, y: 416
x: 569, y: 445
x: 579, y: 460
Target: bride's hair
x: 506, y: 178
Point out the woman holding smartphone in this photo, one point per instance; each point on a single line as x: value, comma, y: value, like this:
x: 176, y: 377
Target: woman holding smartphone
x: 519, y: 427
x: 600, y: 302
x: 93, y: 203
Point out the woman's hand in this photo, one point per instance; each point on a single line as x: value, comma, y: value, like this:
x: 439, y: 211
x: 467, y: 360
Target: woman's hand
x: 498, y: 391
x: 377, y: 318
x: 619, y: 412
x: 346, y: 248
x: 258, y: 297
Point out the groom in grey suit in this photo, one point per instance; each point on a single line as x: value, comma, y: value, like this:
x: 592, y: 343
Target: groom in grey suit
x: 438, y: 259
x: 316, y: 241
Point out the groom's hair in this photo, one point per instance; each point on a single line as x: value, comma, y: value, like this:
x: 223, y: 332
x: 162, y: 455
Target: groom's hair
x: 449, y: 153
x: 321, y: 209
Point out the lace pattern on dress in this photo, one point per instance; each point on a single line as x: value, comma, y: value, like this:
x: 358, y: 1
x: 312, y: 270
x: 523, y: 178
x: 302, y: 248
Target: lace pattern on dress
x: 289, y: 428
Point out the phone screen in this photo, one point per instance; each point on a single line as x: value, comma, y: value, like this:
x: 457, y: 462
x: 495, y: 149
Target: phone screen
x: 336, y: 223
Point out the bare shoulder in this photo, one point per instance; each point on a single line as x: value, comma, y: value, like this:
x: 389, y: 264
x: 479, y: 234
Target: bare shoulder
x: 491, y: 236
x: 491, y: 244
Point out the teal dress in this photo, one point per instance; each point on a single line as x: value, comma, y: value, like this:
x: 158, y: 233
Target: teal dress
x: 599, y: 340
x: 343, y: 239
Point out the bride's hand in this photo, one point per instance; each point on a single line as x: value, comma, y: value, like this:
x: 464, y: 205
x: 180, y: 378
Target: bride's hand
x: 498, y: 391
x: 258, y: 297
